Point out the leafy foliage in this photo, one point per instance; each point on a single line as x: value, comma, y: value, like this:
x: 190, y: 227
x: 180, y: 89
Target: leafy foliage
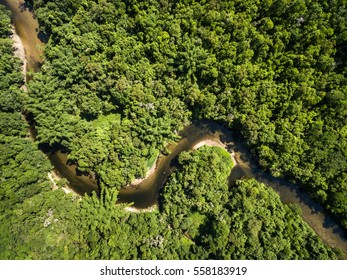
x: 274, y: 71
x: 24, y: 185
x: 261, y: 227
x: 247, y: 221
x: 121, y: 77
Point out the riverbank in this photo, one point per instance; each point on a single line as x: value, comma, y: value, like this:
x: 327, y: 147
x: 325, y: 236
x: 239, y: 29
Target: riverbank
x: 215, y: 143
x: 205, y: 142
x: 314, y: 215
x: 55, y: 178
x: 18, y: 51
x: 26, y: 28
x: 135, y: 210
x: 149, y: 173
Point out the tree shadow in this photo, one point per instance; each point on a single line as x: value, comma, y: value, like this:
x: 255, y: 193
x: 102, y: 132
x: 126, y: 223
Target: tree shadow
x: 43, y: 37
x: 26, y: 5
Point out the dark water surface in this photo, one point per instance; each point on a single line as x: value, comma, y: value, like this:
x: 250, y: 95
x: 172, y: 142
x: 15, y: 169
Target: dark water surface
x: 78, y: 182
x: 146, y: 194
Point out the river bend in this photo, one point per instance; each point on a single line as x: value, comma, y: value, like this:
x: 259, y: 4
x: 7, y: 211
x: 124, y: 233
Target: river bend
x: 146, y: 194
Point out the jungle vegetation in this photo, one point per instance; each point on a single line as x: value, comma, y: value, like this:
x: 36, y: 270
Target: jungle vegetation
x: 120, y: 78
x: 273, y: 70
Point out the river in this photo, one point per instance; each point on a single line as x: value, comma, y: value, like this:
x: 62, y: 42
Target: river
x: 146, y: 194
x: 26, y: 27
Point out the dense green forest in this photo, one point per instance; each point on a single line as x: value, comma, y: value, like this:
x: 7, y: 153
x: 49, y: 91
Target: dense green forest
x: 120, y: 78
x: 200, y: 218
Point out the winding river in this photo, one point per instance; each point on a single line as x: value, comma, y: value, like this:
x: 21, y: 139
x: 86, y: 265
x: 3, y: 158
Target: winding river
x: 146, y: 193
x: 26, y: 26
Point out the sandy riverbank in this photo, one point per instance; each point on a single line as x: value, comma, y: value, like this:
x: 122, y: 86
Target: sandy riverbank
x: 215, y: 143
x: 18, y: 51
x: 138, y: 181
x: 206, y: 142
x: 26, y: 27
x: 135, y: 210
x: 54, y: 178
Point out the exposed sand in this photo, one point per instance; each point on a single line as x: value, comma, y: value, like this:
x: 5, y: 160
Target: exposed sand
x: 54, y: 178
x: 135, y: 210
x: 68, y: 190
x: 208, y: 142
x: 215, y: 143
x: 18, y: 51
x: 138, y: 181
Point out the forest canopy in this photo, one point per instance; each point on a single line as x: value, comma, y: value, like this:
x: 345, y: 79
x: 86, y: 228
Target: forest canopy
x: 121, y: 78
x: 274, y: 71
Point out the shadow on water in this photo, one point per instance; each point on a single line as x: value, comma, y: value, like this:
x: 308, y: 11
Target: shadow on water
x: 43, y: 37
x: 147, y: 193
x: 26, y: 5
x: 312, y: 212
x: 79, y: 182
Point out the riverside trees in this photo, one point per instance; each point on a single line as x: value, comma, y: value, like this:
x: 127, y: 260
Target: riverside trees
x: 274, y: 71
x: 121, y: 76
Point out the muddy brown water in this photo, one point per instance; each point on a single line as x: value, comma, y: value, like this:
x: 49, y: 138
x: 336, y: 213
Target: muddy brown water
x: 146, y: 194
x: 26, y: 27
